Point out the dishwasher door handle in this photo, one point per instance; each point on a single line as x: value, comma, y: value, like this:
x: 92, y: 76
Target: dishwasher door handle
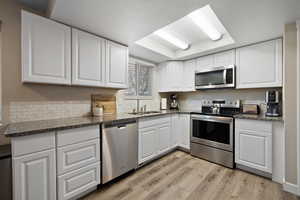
x: 122, y: 127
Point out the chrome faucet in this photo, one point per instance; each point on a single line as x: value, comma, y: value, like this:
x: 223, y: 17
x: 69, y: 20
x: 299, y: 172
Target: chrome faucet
x: 138, y: 109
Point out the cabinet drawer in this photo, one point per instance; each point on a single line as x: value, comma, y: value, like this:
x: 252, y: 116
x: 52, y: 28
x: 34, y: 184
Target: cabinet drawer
x: 148, y: 122
x: 77, y: 155
x: 253, y: 125
x: 77, y: 135
x: 79, y: 181
x: 32, y: 143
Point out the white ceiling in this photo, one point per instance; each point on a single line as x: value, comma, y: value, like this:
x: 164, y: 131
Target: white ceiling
x: 127, y: 21
x: 185, y: 30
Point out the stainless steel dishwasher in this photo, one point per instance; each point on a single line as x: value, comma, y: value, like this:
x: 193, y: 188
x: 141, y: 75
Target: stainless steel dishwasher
x: 119, y: 148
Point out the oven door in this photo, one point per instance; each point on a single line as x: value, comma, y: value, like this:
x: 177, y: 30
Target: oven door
x: 212, y: 131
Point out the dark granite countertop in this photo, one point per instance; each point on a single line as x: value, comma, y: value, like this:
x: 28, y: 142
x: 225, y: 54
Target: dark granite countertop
x: 42, y: 126
x: 258, y: 117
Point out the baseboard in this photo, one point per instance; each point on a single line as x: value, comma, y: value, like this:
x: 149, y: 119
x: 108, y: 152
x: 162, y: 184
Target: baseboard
x: 290, y: 187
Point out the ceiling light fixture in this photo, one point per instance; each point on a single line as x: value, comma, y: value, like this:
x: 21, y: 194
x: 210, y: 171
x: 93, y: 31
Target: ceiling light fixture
x: 171, y: 39
x: 201, y: 20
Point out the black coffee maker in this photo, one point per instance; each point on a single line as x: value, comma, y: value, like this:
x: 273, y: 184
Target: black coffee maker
x: 273, y: 100
x: 174, y: 105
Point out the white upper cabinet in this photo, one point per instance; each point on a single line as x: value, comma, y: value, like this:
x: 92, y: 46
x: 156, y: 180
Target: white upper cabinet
x: 163, y: 82
x: 46, y: 50
x: 171, y: 77
x: 205, y: 62
x: 116, y: 65
x: 260, y: 65
x: 188, y: 82
x: 88, y: 59
x: 46, y: 55
x: 224, y: 58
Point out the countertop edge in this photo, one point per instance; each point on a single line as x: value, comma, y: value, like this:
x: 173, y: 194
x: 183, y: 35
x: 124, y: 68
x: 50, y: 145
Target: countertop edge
x: 12, y: 130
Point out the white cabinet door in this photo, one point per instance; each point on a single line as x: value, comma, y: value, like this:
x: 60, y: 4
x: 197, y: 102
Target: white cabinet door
x: 46, y: 50
x: 77, y: 155
x: 253, y: 146
x: 188, y: 75
x: 75, y: 183
x: 171, y: 77
x: 185, y: 131
x: 205, y: 62
x: 164, y: 137
x: 164, y: 82
x: 116, y: 65
x: 34, y: 176
x: 175, y: 130
x: 88, y: 59
x: 174, y: 76
x: 224, y: 58
x: 260, y: 65
x: 147, y: 144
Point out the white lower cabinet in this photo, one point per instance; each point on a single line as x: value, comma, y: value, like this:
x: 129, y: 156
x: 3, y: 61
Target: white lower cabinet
x: 78, y: 161
x: 79, y: 181
x: 253, y: 144
x: 154, y: 137
x: 76, y: 156
x: 147, y: 144
x: 158, y: 135
x: 175, y: 130
x: 180, y: 134
x: 164, y: 142
x: 63, y: 165
x: 34, y: 176
x: 184, y: 136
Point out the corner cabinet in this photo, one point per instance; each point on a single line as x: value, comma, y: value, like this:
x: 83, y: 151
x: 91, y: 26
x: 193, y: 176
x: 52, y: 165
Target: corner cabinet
x: 88, y: 59
x: 154, y: 137
x: 46, y: 50
x: 116, y: 65
x: 260, y: 65
x: 171, y: 78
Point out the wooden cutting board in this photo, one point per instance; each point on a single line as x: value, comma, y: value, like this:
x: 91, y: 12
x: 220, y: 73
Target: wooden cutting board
x: 108, y: 103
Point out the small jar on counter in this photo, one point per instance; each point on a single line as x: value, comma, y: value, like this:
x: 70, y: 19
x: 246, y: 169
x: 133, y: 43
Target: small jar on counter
x: 97, y: 110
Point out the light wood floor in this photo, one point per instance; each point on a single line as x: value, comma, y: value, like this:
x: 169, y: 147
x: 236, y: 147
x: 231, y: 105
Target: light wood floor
x: 181, y: 176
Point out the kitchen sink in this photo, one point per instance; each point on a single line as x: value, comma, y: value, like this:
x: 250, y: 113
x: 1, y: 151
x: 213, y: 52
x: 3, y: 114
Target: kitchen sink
x: 144, y: 113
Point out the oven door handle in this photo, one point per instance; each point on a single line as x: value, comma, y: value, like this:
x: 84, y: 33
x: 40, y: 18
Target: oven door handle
x: 227, y: 120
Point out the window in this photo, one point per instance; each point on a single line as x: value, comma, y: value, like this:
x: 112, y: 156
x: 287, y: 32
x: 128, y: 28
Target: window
x: 139, y: 81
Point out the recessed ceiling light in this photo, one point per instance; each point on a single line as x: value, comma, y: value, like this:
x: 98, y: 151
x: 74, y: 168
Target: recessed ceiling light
x: 171, y: 39
x: 202, y: 21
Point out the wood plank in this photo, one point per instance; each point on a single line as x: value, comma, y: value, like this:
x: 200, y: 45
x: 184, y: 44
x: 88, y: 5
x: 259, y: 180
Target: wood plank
x: 180, y: 176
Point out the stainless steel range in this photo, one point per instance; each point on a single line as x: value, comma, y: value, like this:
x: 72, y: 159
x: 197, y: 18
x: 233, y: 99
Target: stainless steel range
x: 212, y: 131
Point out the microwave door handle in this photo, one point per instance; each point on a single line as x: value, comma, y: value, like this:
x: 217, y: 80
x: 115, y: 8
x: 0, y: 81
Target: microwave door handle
x: 224, y: 76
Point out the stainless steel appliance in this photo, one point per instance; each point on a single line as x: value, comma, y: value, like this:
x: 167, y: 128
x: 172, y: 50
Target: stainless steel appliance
x: 273, y: 100
x: 5, y: 172
x: 212, y: 133
x: 217, y: 77
x: 119, y: 148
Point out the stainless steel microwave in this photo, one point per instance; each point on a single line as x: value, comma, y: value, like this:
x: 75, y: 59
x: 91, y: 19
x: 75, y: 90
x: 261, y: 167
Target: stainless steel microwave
x: 217, y: 77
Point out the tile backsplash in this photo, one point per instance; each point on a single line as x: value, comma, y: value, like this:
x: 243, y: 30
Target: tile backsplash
x: 34, y: 110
